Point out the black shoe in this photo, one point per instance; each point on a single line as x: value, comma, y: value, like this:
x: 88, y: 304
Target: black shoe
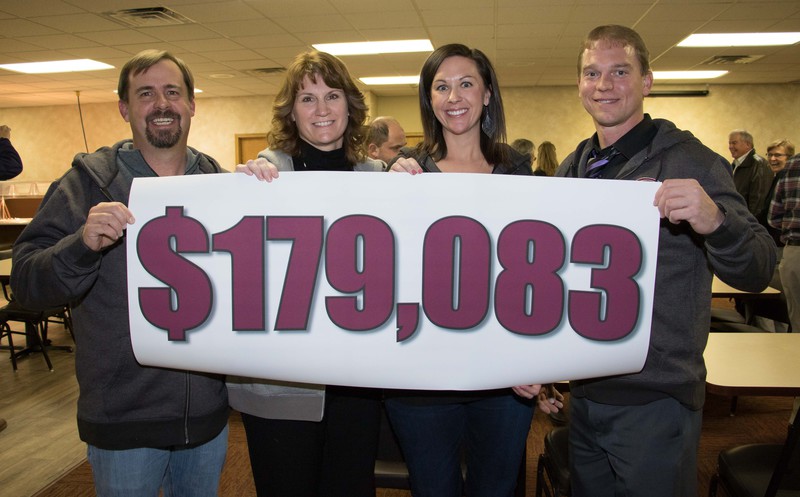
x: 3, y: 424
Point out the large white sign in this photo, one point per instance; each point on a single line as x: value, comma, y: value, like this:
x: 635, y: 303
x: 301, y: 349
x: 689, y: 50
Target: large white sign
x: 432, y: 281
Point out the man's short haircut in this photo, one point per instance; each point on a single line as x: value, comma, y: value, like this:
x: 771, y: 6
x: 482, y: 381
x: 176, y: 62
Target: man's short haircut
x: 378, y: 131
x: 522, y: 145
x: 617, y: 35
x: 744, y: 135
x: 786, y: 144
x: 143, y: 61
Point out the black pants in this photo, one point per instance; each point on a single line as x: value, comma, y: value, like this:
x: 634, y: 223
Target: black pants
x: 332, y: 458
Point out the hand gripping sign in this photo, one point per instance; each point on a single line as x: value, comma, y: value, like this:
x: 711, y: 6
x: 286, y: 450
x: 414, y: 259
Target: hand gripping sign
x: 432, y: 281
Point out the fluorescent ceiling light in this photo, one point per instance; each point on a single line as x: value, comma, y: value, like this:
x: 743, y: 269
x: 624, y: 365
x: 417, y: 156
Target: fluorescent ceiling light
x: 659, y: 75
x: 57, y: 66
x: 375, y: 47
x: 740, y: 39
x: 391, y: 80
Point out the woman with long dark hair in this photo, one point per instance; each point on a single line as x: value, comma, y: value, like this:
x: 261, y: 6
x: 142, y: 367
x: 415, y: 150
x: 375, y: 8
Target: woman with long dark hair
x: 464, y: 131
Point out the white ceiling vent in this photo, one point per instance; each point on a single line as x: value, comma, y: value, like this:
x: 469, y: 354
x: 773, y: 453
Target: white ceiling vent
x: 148, y: 17
x: 731, y: 59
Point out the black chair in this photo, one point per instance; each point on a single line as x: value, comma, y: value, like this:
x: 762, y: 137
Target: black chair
x: 760, y: 470
x: 36, y: 325
x: 391, y: 470
x: 719, y: 314
x: 552, y: 470
x: 35, y: 329
x: 16, y: 351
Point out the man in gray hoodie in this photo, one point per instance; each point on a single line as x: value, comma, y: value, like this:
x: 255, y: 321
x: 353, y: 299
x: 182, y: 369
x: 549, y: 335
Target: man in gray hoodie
x: 637, y: 434
x: 146, y: 428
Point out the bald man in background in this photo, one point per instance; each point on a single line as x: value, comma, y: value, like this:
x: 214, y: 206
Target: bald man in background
x: 385, y: 138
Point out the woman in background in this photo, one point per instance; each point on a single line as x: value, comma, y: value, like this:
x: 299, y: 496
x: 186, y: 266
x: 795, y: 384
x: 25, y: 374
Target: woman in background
x: 298, y: 447
x: 464, y: 131
x: 548, y: 162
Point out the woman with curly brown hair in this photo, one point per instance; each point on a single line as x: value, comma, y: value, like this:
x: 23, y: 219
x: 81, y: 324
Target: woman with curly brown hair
x: 312, y: 440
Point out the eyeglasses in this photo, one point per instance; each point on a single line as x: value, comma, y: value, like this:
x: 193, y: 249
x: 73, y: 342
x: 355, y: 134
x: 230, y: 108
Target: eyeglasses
x: 777, y: 155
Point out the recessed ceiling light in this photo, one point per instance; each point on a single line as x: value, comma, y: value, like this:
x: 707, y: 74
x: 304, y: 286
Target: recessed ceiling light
x: 57, y: 66
x: 659, y: 75
x: 391, y: 80
x: 740, y: 39
x: 375, y: 47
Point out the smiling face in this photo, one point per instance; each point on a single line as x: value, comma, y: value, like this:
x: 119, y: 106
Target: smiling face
x: 737, y: 145
x: 320, y: 113
x: 612, y: 89
x: 777, y: 157
x: 158, y: 107
x: 458, y: 94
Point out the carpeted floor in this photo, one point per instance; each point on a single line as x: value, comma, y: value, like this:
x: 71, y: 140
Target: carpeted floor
x: 757, y: 419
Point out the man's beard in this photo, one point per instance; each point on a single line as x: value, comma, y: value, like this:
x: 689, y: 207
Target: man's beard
x: 163, y: 138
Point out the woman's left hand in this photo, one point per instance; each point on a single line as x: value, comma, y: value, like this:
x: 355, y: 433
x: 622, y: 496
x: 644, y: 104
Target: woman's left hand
x: 261, y: 168
x: 406, y: 165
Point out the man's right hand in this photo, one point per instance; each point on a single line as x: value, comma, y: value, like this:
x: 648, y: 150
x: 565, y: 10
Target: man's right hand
x: 105, y: 224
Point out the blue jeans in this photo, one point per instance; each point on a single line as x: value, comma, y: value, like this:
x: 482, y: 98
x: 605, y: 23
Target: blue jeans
x: 637, y: 451
x: 191, y: 472
x: 492, y: 432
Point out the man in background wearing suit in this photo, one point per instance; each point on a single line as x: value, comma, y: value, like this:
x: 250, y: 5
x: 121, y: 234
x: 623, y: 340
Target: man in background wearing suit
x: 751, y: 172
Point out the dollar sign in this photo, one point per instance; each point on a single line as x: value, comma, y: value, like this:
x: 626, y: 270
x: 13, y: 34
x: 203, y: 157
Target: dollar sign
x: 188, y: 283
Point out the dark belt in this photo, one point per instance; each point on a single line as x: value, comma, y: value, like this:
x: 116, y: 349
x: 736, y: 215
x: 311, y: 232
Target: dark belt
x: 793, y: 243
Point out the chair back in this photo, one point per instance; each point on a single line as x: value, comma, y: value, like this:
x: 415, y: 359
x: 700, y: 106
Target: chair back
x: 789, y: 453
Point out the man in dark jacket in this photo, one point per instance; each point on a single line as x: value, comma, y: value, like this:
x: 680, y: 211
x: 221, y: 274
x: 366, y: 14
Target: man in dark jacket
x: 10, y: 162
x: 637, y: 434
x: 147, y: 428
x: 751, y: 172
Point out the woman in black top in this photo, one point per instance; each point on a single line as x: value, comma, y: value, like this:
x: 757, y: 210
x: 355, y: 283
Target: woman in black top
x: 464, y: 131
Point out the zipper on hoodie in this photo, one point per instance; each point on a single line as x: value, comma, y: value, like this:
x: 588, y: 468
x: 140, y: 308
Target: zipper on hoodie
x: 186, y: 409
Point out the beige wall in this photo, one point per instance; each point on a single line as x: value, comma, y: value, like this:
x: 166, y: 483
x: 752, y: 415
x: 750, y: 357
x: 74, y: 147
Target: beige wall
x: 769, y: 112
x: 48, y: 137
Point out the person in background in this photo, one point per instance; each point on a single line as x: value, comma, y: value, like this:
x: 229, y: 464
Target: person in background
x: 464, y: 131
x: 778, y: 152
x: 548, y: 162
x: 311, y: 440
x: 751, y: 173
x: 525, y: 147
x: 147, y: 428
x: 10, y: 161
x: 784, y: 214
x: 10, y: 167
x: 385, y: 138
x: 637, y: 434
